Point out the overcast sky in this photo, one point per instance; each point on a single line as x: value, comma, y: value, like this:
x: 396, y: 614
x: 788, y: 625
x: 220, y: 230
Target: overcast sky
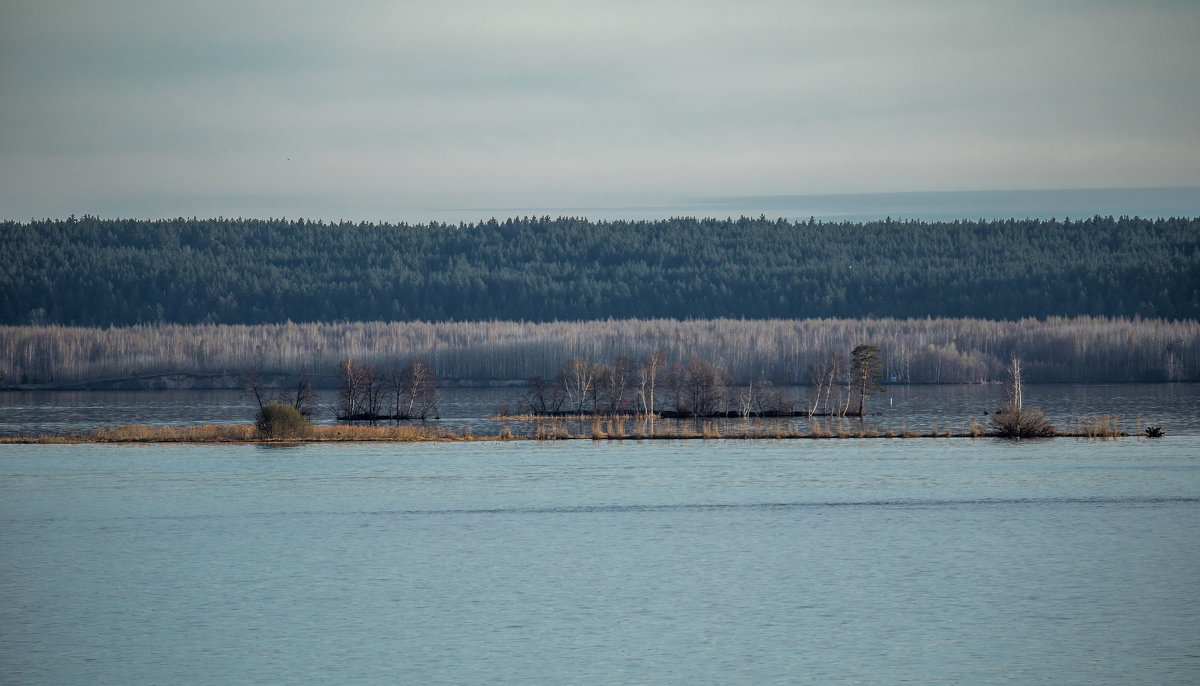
x: 368, y: 110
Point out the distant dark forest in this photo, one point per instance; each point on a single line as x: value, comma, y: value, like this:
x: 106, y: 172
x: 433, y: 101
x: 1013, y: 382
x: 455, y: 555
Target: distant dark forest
x: 95, y: 272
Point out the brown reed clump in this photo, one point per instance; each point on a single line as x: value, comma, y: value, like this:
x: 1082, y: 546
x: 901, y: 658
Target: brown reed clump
x: 382, y: 432
x: 140, y: 433
x: 640, y: 428
x: 974, y: 429
x: 1103, y: 427
x: 552, y: 430
x: 616, y: 426
x: 542, y: 431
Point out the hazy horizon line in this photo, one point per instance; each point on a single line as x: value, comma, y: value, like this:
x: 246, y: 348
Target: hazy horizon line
x: 933, y: 206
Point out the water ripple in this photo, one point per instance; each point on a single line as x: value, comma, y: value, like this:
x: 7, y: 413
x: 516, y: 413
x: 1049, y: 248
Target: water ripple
x: 666, y: 507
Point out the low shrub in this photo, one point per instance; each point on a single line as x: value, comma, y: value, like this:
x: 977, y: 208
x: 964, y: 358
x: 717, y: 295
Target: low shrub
x: 1027, y: 422
x: 277, y: 420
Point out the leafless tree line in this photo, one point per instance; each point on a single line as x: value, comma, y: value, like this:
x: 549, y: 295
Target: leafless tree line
x: 582, y: 385
x: 365, y: 393
x: 1079, y: 349
x: 296, y: 391
x: 694, y: 387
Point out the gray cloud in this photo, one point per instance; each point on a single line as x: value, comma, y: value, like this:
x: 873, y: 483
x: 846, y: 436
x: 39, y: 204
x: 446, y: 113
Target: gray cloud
x: 351, y: 109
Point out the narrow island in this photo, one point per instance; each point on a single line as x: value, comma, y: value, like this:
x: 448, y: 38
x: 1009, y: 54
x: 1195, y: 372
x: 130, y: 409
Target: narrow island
x: 694, y: 386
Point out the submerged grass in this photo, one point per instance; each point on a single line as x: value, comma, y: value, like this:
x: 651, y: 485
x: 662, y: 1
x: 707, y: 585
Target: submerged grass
x: 1104, y: 427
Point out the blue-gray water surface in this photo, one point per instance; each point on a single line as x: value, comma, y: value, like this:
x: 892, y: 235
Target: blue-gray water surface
x: 1175, y: 406
x: 931, y: 561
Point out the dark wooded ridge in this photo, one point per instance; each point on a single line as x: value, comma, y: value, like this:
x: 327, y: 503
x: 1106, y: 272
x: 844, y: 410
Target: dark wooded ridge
x: 95, y: 272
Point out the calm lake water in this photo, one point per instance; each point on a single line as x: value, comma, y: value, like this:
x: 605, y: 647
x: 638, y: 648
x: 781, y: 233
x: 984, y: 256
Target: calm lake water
x: 1174, y: 406
x: 931, y: 561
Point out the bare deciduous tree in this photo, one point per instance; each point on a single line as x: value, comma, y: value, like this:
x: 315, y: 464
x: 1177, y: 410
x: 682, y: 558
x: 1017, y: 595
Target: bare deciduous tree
x: 374, y: 389
x: 421, y: 384
x: 648, y: 374
x: 772, y: 400
x: 360, y: 391
x: 542, y: 396
x: 395, y: 383
x: 1015, y: 420
x: 1016, y: 385
x: 578, y: 379
x: 300, y: 394
x: 761, y: 398
x: 698, y: 387
x: 747, y: 399
x: 823, y: 376
x: 615, y: 382
x: 252, y: 386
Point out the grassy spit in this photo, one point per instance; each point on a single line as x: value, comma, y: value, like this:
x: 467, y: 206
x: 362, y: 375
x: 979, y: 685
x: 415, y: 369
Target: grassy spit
x: 242, y: 433
x: 544, y: 430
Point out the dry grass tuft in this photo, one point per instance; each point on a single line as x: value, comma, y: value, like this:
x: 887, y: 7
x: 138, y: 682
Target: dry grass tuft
x: 1103, y: 427
x: 205, y: 433
x: 552, y: 430
x: 380, y: 432
x: 616, y: 427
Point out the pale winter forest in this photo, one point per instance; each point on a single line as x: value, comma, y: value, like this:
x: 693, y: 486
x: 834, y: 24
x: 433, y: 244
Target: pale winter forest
x: 1078, y: 349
